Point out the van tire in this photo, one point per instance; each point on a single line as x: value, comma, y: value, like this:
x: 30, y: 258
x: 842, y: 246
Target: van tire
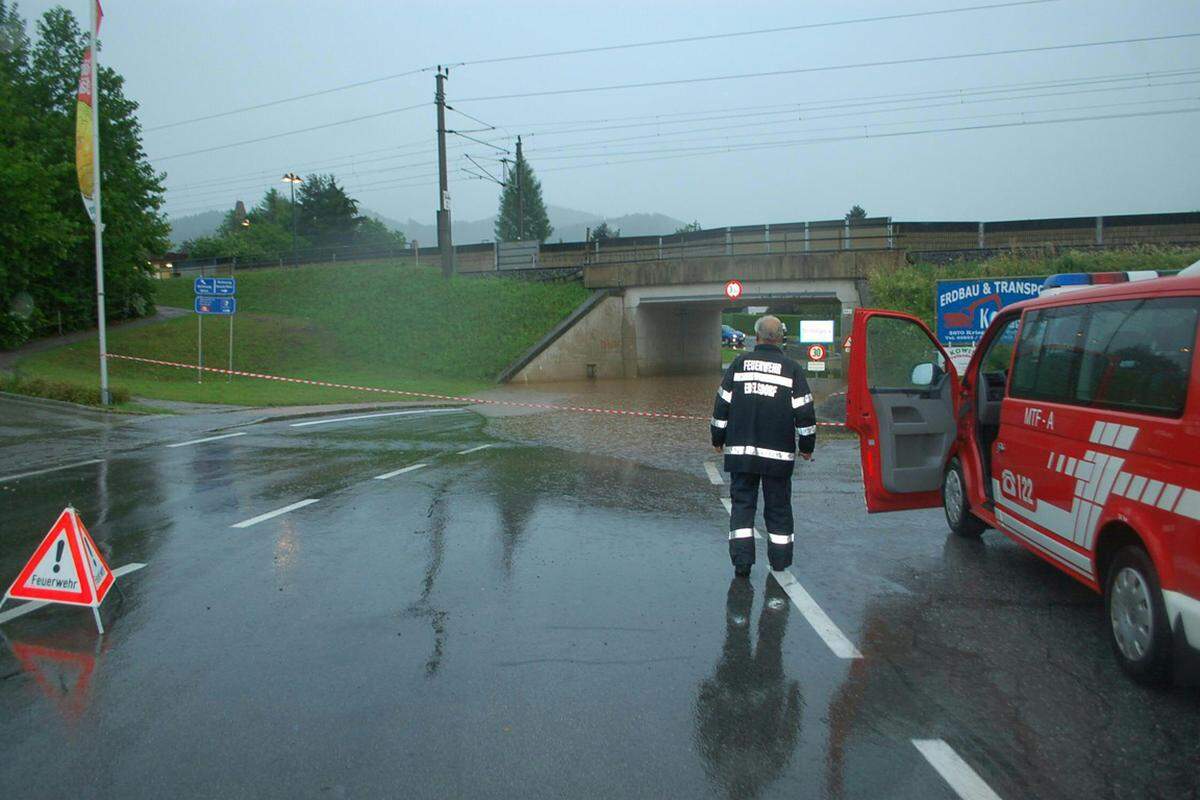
x: 1131, y: 585
x: 954, y: 502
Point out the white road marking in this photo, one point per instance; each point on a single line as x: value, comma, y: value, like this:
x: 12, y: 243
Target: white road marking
x: 965, y: 782
x: 713, y: 474
x: 271, y: 514
x: 34, y: 605
x: 393, y: 474
x: 377, y: 416
x: 7, y: 478
x: 474, y: 449
x: 729, y: 508
x: 208, y: 439
x: 818, y: 619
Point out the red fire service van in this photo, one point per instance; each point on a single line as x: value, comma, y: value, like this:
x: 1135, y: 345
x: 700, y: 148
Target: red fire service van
x: 1074, y: 431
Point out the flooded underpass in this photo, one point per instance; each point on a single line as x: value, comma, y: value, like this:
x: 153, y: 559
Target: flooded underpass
x: 507, y: 600
x: 656, y: 440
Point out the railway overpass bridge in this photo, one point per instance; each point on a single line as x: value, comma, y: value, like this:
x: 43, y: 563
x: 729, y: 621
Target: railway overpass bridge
x: 663, y: 317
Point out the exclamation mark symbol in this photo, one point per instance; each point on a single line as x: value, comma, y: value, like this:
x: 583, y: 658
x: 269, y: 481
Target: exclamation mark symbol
x: 58, y: 554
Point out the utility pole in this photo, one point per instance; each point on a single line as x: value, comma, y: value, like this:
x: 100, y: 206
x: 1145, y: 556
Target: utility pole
x: 445, y: 239
x: 98, y: 225
x: 520, y: 192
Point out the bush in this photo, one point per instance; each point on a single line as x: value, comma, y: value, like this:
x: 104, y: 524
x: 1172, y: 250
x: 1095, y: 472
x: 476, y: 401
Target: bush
x: 61, y: 390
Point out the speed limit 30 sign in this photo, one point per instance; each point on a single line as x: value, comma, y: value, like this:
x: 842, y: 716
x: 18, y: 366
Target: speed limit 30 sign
x: 816, y: 352
x: 733, y: 290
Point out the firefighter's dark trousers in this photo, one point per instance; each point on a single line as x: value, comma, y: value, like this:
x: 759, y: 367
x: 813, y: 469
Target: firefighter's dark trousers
x: 777, y: 514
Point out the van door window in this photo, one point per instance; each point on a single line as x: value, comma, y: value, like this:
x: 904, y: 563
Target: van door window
x: 899, y: 354
x: 1131, y: 355
x: 1138, y: 355
x: 1048, y: 354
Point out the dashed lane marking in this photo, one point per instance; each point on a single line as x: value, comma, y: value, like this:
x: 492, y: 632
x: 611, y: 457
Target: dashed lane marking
x: 713, y: 475
x: 34, y: 605
x: 817, y: 618
x: 394, y: 473
x: 272, y: 514
x: 474, y: 449
x: 206, y: 439
x: 376, y: 416
x: 965, y: 782
x: 8, y: 478
x: 725, y: 501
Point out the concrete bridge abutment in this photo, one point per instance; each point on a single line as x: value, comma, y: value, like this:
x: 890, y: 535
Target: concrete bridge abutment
x: 664, y: 317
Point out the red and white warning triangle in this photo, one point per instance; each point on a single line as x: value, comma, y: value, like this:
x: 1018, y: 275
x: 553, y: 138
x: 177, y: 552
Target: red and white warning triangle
x: 65, y: 568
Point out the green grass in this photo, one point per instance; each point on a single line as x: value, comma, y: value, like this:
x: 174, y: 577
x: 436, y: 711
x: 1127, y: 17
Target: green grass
x: 911, y: 288
x: 388, y: 325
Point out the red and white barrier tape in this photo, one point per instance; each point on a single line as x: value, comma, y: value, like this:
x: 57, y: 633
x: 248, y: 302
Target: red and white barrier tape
x: 425, y: 395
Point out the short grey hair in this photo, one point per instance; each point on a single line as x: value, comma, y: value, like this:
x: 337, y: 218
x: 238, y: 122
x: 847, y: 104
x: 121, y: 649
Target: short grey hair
x: 769, y: 329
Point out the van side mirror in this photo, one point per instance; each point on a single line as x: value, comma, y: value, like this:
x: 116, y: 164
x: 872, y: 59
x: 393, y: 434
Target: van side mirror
x: 923, y: 374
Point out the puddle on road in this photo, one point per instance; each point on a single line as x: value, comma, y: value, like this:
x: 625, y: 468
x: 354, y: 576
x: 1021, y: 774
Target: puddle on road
x: 664, y: 443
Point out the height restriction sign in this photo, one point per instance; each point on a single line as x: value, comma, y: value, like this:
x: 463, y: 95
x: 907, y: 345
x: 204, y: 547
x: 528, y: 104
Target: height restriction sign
x: 733, y: 290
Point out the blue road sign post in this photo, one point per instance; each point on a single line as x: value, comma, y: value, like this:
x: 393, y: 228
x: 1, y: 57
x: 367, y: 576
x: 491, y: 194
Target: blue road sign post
x: 213, y: 296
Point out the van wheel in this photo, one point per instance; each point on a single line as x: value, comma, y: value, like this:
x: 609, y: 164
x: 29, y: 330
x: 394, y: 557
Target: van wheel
x: 954, y: 502
x: 1138, y: 626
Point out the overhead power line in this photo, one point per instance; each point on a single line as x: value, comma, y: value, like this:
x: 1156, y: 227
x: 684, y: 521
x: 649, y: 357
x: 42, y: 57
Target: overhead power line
x: 833, y: 67
x: 717, y: 149
x: 804, y: 106
x: 758, y: 32
x: 283, y: 100
x: 959, y: 103
x: 748, y: 140
x: 292, y: 132
x: 600, y: 49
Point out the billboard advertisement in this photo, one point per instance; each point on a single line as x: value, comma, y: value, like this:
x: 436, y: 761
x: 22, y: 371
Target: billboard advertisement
x: 964, y: 308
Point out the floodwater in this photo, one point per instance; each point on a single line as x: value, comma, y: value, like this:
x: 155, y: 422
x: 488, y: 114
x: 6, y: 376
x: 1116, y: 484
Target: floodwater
x: 500, y: 602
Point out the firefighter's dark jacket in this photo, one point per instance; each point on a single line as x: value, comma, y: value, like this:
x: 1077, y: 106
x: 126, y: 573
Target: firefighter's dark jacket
x: 764, y: 413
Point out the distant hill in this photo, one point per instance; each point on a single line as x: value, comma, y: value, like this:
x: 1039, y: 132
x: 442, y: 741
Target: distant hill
x: 194, y: 226
x: 570, y: 225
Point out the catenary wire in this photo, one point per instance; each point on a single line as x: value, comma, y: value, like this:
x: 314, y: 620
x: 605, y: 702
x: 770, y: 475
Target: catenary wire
x: 602, y: 48
x: 834, y: 67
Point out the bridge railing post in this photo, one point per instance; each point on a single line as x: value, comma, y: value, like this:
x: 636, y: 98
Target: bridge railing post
x: 767, y: 237
x: 729, y: 241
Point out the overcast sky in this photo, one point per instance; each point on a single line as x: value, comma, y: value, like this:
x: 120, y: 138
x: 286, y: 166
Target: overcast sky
x: 184, y: 60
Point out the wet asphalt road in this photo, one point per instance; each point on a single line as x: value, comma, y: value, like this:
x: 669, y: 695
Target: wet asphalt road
x: 550, y: 616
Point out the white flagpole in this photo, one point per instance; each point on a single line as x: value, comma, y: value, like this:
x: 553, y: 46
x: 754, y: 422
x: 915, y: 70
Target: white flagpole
x: 97, y: 222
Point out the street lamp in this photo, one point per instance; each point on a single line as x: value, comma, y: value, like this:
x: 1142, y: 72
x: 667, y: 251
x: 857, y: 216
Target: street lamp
x: 293, y: 179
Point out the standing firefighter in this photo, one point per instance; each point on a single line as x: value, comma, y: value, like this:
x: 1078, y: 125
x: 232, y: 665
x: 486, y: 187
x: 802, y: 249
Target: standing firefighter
x: 764, y: 413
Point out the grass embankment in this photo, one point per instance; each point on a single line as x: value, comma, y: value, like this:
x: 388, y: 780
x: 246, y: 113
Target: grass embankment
x: 911, y: 288
x: 392, y: 326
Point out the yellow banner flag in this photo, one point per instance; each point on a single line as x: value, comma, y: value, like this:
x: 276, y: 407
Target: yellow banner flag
x: 85, y: 145
x: 85, y: 150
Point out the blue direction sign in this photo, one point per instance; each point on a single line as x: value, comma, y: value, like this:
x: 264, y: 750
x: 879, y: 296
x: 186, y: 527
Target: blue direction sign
x: 216, y: 286
x: 216, y: 305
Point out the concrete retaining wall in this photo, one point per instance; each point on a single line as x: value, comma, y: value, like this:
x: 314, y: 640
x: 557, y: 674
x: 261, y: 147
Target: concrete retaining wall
x: 597, y: 337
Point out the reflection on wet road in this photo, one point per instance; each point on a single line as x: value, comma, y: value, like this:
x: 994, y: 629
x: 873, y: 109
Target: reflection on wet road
x: 543, y: 609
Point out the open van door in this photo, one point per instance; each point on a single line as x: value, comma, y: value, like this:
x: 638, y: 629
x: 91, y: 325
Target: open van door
x: 901, y: 401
